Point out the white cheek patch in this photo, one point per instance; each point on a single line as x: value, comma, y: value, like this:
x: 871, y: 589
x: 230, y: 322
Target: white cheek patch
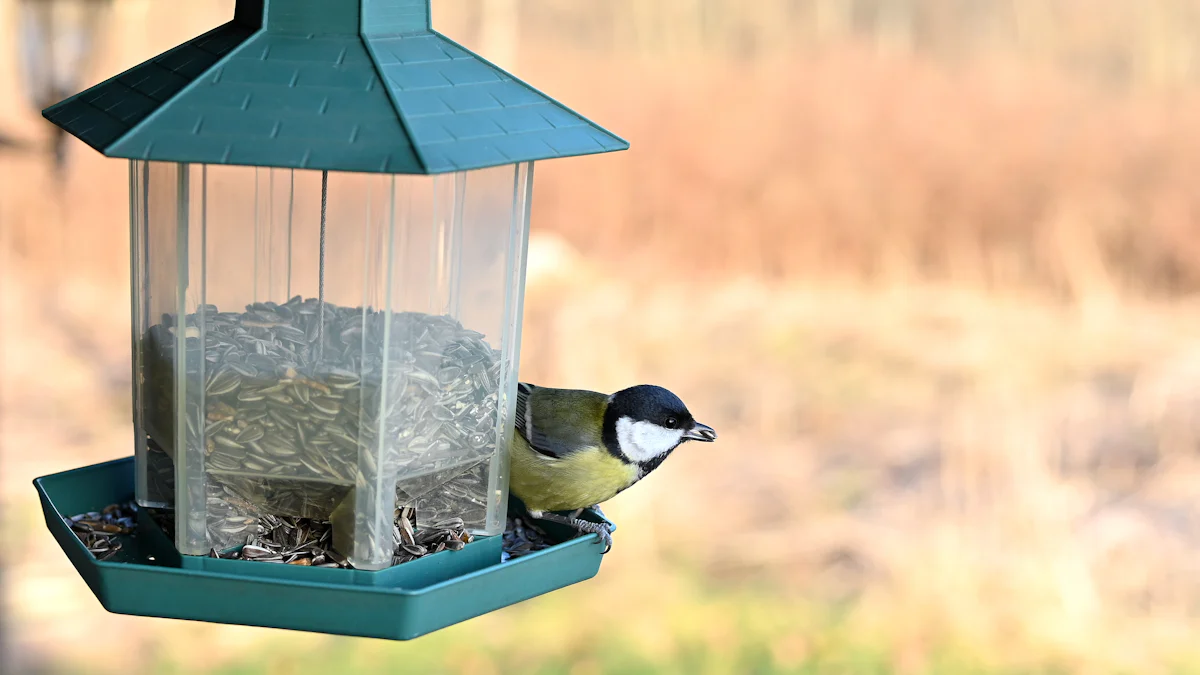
x: 643, y: 441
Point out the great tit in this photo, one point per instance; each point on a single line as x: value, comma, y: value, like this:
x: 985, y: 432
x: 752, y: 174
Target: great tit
x: 574, y: 449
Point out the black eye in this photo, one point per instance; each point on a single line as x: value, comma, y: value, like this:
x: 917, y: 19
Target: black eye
x: 672, y: 422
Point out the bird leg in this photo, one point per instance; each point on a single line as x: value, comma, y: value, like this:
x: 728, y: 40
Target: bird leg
x: 583, y: 526
x: 596, y: 508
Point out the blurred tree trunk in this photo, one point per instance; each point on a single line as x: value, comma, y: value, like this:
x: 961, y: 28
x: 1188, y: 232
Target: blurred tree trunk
x: 832, y: 20
x: 668, y: 27
x: 894, y: 24
x: 1164, y: 52
x: 11, y: 662
x: 500, y: 27
x: 1034, y: 22
x: 7, y: 660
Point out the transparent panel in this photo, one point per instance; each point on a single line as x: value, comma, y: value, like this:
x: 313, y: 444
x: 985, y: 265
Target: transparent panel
x: 154, y: 208
x: 151, y: 494
x: 259, y: 351
x: 350, y: 348
x: 477, y: 248
x: 190, y: 366
x: 164, y: 255
x: 447, y: 352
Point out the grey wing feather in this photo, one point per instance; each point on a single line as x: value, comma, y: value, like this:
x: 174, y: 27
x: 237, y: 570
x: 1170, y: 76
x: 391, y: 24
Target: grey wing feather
x: 522, y: 417
x: 558, y: 422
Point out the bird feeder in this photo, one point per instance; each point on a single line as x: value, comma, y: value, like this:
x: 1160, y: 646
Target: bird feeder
x: 329, y: 216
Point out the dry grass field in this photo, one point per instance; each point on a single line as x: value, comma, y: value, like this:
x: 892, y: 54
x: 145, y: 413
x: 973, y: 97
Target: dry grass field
x: 931, y: 268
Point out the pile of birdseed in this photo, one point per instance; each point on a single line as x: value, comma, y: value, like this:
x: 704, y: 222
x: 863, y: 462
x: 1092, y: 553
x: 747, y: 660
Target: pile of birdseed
x: 522, y: 538
x: 304, y: 541
x: 292, y: 390
x: 301, y: 541
x: 97, y: 530
x: 309, y: 542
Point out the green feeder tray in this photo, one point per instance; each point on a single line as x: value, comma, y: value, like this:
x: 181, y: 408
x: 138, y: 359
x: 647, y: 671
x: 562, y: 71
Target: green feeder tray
x: 148, y: 577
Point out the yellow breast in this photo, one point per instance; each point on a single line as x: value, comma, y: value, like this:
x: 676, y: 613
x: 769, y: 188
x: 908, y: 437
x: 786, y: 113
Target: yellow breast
x: 583, y: 479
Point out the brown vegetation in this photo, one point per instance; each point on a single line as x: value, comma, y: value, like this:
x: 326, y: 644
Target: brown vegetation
x: 928, y: 271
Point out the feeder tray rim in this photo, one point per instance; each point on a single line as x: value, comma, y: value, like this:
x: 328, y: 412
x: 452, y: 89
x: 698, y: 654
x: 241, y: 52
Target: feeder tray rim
x: 298, y: 583
x: 369, y: 590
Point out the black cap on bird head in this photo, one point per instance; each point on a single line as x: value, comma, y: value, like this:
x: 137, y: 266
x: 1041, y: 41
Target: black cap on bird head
x: 647, y: 421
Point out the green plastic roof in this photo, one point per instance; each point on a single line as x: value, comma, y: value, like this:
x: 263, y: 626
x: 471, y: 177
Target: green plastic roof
x: 342, y: 85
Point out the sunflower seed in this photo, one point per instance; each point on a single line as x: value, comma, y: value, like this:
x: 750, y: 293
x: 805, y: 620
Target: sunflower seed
x: 252, y: 432
x: 99, y: 531
x: 224, y: 382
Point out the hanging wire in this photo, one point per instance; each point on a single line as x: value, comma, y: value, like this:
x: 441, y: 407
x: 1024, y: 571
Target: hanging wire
x: 290, y: 221
x: 321, y: 270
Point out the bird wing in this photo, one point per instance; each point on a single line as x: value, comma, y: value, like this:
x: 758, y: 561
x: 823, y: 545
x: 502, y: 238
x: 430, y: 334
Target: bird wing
x: 559, y: 422
x: 522, y: 419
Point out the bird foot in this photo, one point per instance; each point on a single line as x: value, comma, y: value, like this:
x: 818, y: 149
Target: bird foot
x: 600, y: 513
x: 582, y: 526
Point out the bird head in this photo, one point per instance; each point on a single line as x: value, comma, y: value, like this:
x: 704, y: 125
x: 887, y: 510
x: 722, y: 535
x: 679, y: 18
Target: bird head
x: 647, y: 422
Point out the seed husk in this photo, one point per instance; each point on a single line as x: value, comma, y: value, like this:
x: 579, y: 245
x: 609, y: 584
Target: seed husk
x: 99, y: 531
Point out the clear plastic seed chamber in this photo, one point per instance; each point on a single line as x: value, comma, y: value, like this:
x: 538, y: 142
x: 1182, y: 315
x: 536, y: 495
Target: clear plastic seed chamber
x: 325, y: 345
x: 329, y: 209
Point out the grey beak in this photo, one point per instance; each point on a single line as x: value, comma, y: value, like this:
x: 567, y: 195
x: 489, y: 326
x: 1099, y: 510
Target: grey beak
x: 701, y: 432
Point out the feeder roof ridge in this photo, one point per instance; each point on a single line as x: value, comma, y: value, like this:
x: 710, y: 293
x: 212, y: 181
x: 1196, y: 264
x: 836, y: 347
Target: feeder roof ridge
x: 340, y: 85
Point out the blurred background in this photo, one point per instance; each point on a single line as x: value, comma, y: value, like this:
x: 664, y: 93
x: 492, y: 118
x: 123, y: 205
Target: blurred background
x: 930, y: 267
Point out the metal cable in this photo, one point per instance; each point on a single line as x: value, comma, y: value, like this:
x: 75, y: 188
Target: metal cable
x: 321, y: 270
